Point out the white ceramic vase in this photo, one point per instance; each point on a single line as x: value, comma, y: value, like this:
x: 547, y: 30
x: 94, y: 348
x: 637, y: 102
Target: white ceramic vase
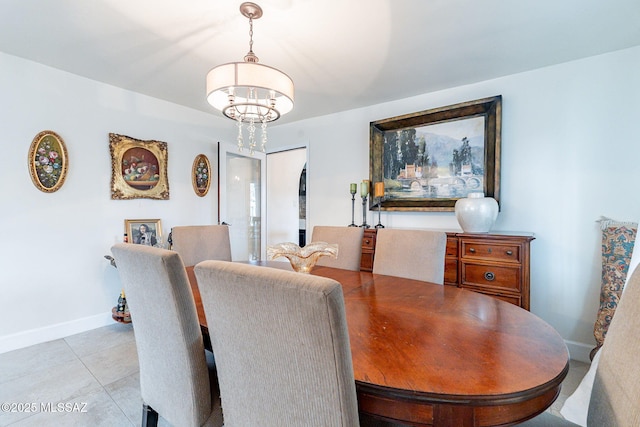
x: 476, y: 213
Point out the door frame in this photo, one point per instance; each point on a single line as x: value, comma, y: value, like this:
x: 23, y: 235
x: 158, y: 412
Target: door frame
x: 226, y: 147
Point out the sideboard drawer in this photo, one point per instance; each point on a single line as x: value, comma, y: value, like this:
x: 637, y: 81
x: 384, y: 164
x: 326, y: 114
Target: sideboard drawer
x: 366, y: 261
x: 515, y: 299
x: 491, y: 276
x: 491, y: 251
x: 368, y: 249
x: 451, y: 260
x: 369, y: 240
x: 450, y: 271
x: 452, y: 247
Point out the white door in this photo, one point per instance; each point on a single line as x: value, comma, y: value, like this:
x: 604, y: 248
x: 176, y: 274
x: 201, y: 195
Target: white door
x: 242, y: 195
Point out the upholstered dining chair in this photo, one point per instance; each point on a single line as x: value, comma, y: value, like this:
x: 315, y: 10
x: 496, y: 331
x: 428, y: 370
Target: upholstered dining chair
x: 349, y: 240
x: 616, y: 387
x: 175, y: 379
x: 413, y: 254
x: 281, y: 344
x: 197, y: 243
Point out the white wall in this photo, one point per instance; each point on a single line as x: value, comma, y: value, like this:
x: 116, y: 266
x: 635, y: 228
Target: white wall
x: 570, y: 152
x: 53, y: 276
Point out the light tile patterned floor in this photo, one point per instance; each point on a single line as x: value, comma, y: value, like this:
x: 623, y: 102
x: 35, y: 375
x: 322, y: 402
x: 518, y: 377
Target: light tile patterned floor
x: 96, y: 374
x: 577, y: 371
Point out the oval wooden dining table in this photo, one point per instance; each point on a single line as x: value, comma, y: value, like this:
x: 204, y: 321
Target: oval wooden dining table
x: 433, y: 355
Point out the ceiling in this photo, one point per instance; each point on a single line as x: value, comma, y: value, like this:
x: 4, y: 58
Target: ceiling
x: 341, y: 54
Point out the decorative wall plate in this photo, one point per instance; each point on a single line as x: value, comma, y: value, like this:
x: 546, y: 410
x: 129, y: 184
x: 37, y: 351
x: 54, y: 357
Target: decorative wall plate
x: 201, y: 175
x: 48, y: 161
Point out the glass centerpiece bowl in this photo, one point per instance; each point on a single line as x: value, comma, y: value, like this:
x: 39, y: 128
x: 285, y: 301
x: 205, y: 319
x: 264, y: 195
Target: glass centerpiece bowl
x: 302, y: 259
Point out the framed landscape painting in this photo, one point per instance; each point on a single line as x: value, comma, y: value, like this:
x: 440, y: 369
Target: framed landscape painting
x: 430, y: 159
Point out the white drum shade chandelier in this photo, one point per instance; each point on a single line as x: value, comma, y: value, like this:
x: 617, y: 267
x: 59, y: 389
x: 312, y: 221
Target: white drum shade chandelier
x: 249, y: 92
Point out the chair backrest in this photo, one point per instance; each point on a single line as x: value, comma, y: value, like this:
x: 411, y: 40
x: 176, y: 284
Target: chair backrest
x: 174, y: 378
x: 616, y: 388
x: 197, y: 243
x: 281, y: 344
x: 413, y: 254
x: 349, y: 240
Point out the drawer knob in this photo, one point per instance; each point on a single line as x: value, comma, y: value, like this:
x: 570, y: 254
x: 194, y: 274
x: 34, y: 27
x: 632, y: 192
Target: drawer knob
x: 472, y: 250
x: 489, y: 276
x: 509, y: 253
x: 367, y: 242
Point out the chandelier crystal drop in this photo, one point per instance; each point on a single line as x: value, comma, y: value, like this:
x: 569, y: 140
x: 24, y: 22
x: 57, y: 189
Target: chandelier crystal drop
x: 249, y: 92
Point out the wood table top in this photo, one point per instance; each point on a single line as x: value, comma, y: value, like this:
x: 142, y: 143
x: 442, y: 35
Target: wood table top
x: 428, y: 354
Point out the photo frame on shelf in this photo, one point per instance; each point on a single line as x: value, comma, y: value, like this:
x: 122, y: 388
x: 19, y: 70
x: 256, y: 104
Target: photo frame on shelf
x: 144, y: 231
x: 201, y: 175
x: 48, y: 161
x: 138, y: 168
x: 430, y: 159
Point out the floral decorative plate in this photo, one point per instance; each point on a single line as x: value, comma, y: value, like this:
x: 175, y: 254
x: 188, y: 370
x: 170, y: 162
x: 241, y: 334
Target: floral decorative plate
x: 48, y: 161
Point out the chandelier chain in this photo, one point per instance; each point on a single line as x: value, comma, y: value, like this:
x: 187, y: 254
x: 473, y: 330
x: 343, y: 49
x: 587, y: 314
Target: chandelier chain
x: 251, y: 34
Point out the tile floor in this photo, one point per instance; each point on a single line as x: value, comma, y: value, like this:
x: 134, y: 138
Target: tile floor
x: 96, y: 374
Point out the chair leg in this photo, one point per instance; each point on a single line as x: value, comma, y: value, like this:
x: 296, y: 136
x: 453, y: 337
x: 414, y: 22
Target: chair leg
x: 149, y: 416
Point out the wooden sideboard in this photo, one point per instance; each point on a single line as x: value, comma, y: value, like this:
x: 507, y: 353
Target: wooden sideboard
x: 495, y: 264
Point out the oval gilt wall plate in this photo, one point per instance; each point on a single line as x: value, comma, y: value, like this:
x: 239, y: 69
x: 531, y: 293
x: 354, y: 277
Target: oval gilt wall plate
x: 48, y: 161
x: 201, y: 175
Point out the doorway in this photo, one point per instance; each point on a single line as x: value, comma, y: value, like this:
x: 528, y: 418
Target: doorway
x: 287, y: 196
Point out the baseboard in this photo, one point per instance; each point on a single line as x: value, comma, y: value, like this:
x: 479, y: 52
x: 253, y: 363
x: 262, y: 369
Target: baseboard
x: 53, y: 332
x: 579, y: 351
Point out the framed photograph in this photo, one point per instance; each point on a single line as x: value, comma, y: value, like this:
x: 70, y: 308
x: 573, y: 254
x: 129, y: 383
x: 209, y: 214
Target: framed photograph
x: 430, y: 159
x: 48, y: 161
x: 144, y: 231
x: 138, y: 168
x: 201, y: 175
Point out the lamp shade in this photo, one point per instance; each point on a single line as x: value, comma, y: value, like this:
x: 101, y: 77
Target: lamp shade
x: 251, y: 90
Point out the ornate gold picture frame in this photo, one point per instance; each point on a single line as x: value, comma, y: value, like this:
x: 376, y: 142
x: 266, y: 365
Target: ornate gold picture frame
x: 48, y: 162
x: 144, y: 232
x: 201, y: 175
x: 138, y: 168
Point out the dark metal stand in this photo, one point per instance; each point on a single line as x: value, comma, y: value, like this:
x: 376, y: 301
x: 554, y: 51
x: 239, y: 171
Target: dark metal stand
x: 353, y: 206
x: 364, y: 212
x: 379, y: 225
